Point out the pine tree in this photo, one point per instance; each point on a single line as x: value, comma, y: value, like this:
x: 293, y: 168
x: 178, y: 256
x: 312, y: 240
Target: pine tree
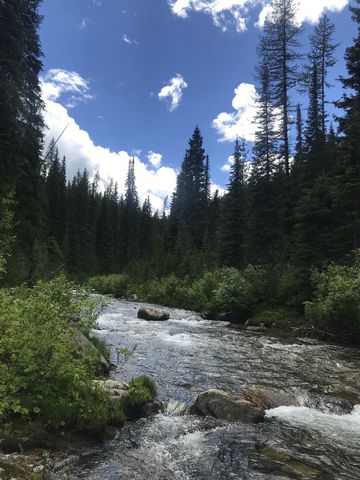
x: 323, y: 54
x: 190, y: 199
x: 348, y: 188
x: 279, y: 49
x: 265, y: 146
x: 55, y: 186
x: 21, y: 127
x: 130, y: 218
x: 232, y: 226
x: 299, y: 132
x: 313, y: 131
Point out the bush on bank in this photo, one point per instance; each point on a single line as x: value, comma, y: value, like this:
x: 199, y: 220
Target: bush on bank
x: 336, y: 306
x: 42, y: 377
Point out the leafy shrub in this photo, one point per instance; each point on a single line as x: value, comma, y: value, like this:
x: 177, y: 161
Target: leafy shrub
x: 240, y: 291
x: 116, y: 415
x: 170, y: 291
x: 336, y: 306
x: 280, y: 317
x: 40, y: 375
x: 115, y: 284
x: 102, y: 347
x: 141, y: 390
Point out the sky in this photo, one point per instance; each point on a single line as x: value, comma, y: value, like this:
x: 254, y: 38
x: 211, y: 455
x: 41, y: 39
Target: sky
x: 134, y: 77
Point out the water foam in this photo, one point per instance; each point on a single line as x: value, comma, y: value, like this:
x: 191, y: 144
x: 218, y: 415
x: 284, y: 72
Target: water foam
x: 342, y: 429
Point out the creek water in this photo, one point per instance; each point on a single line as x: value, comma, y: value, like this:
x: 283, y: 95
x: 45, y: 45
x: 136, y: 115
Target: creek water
x: 317, y: 439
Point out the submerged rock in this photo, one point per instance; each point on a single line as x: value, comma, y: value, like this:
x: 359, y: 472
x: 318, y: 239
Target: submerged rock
x: 152, y: 408
x: 276, y: 462
x: 226, y: 406
x: 265, y: 398
x: 148, y: 313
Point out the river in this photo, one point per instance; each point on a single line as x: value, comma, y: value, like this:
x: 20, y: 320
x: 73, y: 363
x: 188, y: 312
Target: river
x: 317, y: 439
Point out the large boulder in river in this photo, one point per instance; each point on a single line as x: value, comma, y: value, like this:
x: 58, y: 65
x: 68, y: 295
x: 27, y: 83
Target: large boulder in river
x: 226, y: 406
x: 149, y: 313
x: 265, y: 398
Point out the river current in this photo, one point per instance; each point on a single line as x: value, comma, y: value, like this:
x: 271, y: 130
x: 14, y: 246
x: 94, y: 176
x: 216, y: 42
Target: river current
x: 317, y: 439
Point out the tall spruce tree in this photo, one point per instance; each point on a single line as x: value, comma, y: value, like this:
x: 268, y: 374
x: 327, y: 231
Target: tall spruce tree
x: 190, y: 199
x: 348, y: 201
x: 21, y: 127
x: 322, y: 54
x: 232, y: 224
x: 279, y: 47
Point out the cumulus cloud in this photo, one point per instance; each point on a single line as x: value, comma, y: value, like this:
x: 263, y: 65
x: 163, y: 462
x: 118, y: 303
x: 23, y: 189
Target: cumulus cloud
x: 70, y: 86
x: 81, y: 152
x: 173, y: 92
x: 308, y: 10
x: 223, y: 12
x: 227, y: 166
x: 155, y: 159
x: 128, y: 40
x: 240, y: 122
x: 227, y: 13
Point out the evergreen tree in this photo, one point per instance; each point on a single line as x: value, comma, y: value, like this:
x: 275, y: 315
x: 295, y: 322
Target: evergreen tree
x: 231, y: 236
x: 299, y: 133
x: 130, y: 218
x: 313, y: 133
x: 348, y: 185
x: 279, y: 48
x: 323, y: 55
x: 55, y: 186
x: 190, y: 199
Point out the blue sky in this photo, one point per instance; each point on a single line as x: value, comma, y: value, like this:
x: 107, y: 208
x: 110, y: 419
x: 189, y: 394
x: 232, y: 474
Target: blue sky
x: 134, y: 77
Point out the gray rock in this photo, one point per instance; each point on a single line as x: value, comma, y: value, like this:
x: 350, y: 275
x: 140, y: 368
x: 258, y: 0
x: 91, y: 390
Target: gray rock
x: 82, y: 342
x: 265, y: 398
x: 148, y: 313
x: 152, y: 408
x: 133, y: 298
x: 226, y: 406
x: 118, y: 391
x: 256, y: 328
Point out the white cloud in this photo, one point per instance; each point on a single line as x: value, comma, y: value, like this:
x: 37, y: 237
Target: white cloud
x: 240, y: 122
x: 227, y: 166
x: 129, y: 41
x: 68, y: 85
x: 226, y: 13
x: 155, y: 159
x: 308, y: 10
x: 223, y: 12
x: 81, y: 152
x: 173, y: 92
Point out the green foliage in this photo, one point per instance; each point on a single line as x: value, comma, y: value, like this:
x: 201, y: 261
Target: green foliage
x: 336, y: 306
x: 125, y: 353
x: 169, y: 290
x: 116, y: 285
x: 102, y: 347
x: 275, y: 317
x: 116, y: 415
x: 240, y: 291
x: 141, y: 390
x: 40, y: 374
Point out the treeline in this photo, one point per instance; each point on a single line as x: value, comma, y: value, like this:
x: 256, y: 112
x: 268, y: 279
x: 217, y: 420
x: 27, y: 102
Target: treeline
x: 287, y: 208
